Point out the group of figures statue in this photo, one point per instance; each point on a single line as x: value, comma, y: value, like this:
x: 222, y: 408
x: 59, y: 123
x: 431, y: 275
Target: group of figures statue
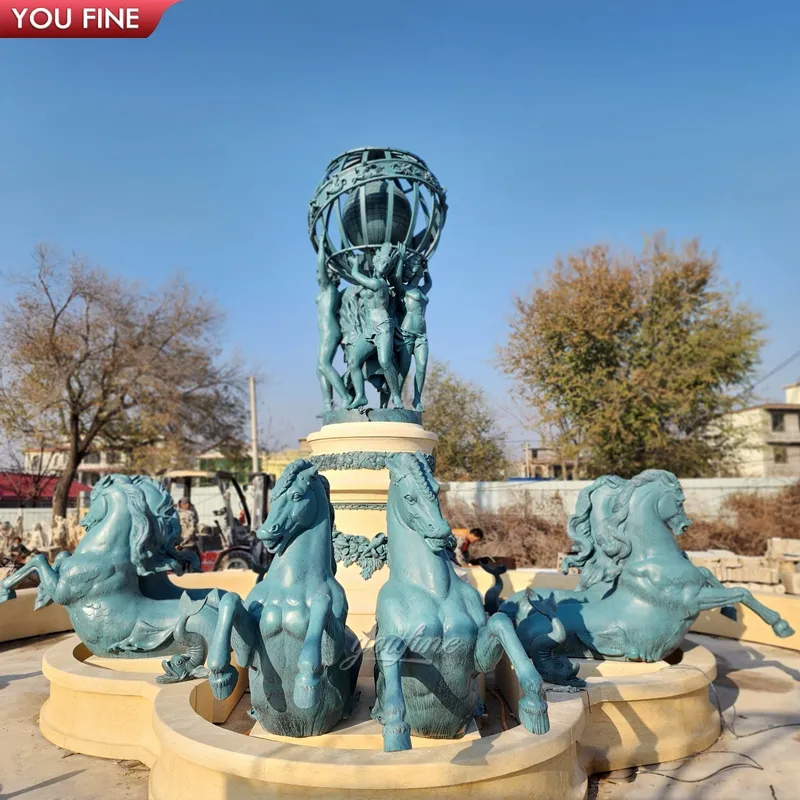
x: 378, y: 321
x: 374, y: 221
x: 637, y: 598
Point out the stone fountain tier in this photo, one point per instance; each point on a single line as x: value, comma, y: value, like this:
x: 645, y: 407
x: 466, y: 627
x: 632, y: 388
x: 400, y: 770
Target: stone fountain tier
x: 639, y: 713
x: 351, y: 456
x: 630, y: 714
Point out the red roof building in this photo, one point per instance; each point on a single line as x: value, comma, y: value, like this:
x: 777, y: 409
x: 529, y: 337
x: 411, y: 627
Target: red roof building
x: 21, y: 487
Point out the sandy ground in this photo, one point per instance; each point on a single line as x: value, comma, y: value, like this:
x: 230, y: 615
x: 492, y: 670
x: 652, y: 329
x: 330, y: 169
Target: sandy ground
x: 757, y: 689
x: 33, y: 769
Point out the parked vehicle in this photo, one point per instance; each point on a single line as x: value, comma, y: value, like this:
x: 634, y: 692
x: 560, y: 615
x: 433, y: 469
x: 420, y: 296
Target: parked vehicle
x: 231, y: 542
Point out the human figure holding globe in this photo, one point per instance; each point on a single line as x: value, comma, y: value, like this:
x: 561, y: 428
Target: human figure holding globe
x: 329, y: 303
x: 412, y: 334
x: 378, y: 335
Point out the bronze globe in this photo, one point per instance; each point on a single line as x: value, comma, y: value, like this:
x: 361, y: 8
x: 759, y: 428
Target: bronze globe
x: 373, y: 196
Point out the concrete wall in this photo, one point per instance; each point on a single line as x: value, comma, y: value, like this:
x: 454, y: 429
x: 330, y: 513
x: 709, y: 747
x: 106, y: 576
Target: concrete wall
x: 556, y: 500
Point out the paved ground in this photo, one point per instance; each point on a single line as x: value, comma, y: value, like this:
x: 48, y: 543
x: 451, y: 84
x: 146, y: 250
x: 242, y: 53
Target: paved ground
x: 757, y: 687
x: 33, y: 769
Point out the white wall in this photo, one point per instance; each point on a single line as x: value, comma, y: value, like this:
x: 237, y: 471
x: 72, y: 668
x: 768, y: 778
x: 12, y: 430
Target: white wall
x: 555, y: 500
x: 207, y: 499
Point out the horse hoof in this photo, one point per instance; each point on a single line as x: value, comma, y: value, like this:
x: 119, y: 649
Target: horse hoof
x: 533, y: 717
x: 396, y: 736
x: 307, y: 692
x: 223, y: 682
x: 782, y: 629
x: 7, y: 594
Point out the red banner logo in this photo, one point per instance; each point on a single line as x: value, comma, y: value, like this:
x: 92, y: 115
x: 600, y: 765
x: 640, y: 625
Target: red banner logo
x: 48, y: 19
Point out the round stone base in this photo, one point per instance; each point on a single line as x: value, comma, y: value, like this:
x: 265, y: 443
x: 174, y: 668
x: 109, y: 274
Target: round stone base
x: 630, y: 714
x: 126, y: 715
x: 352, y: 457
x: 639, y: 713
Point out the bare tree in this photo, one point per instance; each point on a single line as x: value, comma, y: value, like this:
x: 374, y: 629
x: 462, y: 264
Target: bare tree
x: 89, y: 360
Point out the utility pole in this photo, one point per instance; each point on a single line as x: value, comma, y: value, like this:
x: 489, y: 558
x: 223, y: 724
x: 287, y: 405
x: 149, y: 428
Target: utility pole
x: 256, y: 467
x: 527, y: 451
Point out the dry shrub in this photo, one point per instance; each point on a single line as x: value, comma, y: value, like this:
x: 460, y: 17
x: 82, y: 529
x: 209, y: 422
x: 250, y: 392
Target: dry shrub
x: 532, y: 540
x: 751, y: 521
x: 535, y: 541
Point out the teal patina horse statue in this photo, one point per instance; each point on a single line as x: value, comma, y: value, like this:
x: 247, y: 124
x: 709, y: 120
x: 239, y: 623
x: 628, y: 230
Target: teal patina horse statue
x: 433, y: 637
x: 638, y: 595
x: 291, y: 631
x: 115, y: 586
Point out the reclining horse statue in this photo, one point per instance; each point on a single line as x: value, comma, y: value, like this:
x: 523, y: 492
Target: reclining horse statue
x: 114, y: 586
x: 433, y: 637
x: 638, y: 594
x: 291, y: 630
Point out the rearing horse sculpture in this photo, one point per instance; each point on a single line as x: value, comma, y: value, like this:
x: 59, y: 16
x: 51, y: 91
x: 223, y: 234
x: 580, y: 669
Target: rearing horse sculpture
x: 291, y: 630
x: 639, y: 594
x: 129, y: 541
x: 433, y: 637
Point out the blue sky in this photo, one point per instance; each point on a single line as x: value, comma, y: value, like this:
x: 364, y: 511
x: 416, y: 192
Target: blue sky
x: 552, y: 125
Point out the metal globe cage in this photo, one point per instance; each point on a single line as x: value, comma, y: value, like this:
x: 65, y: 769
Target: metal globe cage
x: 372, y: 196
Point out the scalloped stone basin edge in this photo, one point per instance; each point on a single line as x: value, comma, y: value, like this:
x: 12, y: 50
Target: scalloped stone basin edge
x: 639, y: 713
x: 621, y: 720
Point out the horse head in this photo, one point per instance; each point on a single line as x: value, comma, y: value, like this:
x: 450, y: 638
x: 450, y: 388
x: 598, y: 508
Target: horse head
x: 118, y: 508
x: 414, y: 499
x: 163, y: 510
x: 657, y: 495
x: 297, y: 502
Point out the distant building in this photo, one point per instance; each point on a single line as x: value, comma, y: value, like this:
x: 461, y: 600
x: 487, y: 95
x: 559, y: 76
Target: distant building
x: 771, y: 437
x: 19, y: 489
x: 53, y: 460
x: 276, y: 463
x: 544, y: 463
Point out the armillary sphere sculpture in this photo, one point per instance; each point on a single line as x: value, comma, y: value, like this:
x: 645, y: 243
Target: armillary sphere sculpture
x: 374, y: 221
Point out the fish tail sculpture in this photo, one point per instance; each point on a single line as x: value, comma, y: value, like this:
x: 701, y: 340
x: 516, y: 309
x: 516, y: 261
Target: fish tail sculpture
x: 189, y: 664
x: 491, y: 600
x: 552, y: 666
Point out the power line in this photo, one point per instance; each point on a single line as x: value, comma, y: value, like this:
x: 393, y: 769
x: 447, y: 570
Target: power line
x: 784, y: 363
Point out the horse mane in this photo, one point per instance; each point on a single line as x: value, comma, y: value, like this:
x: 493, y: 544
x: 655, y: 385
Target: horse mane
x: 585, y: 553
x: 332, y: 513
x: 143, y: 537
x: 612, y: 538
x: 165, y: 504
x: 288, y: 476
x: 169, y: 557
x: 420, y: 470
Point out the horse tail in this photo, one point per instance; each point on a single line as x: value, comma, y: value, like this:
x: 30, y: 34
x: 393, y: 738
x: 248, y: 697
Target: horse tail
x: 492, y: 599
x: 552, y: 666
